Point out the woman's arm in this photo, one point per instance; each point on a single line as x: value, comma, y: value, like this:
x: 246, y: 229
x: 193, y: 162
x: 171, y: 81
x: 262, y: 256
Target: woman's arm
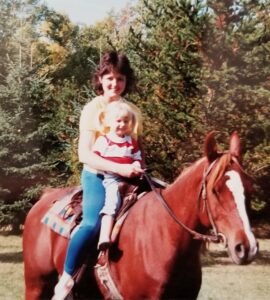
x: 88, y: 157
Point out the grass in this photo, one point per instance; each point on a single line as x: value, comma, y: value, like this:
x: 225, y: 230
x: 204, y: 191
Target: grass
x: 222, y: 280
x: 11, y: 268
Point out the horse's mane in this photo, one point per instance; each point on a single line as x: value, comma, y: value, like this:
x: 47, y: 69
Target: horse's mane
x: 220, y: 168
x: 190, y: 168
x: 222, y: 163
x: 214, y: 176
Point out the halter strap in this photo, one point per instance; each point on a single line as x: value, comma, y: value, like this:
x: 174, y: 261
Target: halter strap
x: 203, y: 194
x: 216, y: 238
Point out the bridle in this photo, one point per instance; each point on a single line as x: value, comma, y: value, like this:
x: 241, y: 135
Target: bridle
x: 215, y: 236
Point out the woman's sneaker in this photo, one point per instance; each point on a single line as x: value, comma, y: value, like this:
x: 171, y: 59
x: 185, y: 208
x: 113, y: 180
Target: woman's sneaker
x: 63, y: 287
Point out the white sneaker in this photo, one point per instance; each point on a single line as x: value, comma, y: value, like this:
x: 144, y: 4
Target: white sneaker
x: 63, y: 287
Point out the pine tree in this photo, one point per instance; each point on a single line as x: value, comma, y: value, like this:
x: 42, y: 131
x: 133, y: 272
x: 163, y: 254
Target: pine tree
x: 26, y: 110
x: 70, y: 55
x: 164, y: 46
x: 236, y: 74
x: 24, y: 114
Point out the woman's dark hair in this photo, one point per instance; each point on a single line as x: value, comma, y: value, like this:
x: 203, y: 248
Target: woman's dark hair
x: 114, y: 62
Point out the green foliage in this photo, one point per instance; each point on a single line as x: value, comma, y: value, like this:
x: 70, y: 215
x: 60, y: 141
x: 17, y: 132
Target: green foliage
x: 33, y: 150
x: 164, y: 48
x: 70, y: 100
x: 236, y: 74
x: 22, y: 139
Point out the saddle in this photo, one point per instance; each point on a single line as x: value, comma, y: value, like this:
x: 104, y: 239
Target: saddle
x: 65, y: 214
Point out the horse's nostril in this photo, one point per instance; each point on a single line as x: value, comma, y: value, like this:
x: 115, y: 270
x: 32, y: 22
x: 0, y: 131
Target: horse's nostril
x: 240, y: 250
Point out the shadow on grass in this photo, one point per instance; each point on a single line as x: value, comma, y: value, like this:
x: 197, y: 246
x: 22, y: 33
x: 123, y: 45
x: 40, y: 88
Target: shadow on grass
x: 222, y: 258
x: 12, y: 257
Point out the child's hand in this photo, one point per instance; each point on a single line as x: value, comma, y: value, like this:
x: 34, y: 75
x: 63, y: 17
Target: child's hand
x: 136, y: 164
x: 129, y: 170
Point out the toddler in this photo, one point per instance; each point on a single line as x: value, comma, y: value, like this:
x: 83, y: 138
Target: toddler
x: 118, y: 146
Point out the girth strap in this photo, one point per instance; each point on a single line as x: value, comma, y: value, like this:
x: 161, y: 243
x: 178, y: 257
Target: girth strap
x: 104, y: 278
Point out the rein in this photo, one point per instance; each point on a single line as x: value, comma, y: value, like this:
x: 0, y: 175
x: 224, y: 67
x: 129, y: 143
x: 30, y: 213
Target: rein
x: 215, y: 237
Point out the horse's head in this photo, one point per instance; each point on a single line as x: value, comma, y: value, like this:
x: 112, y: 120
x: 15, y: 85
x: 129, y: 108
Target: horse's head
x: 225, y: 192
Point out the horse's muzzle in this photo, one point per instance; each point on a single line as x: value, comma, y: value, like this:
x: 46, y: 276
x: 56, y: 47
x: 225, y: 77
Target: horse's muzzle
x: 242, y: 253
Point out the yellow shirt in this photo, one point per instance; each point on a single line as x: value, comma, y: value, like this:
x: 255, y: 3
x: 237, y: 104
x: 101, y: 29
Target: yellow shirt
x: 93, y: 114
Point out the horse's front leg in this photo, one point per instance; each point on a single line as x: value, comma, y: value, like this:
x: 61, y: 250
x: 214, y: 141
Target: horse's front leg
x: 186, y: 277
x: 40, y: 287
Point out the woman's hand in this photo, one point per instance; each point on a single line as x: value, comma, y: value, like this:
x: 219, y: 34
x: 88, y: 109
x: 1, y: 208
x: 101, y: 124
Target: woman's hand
x: 129, y: 170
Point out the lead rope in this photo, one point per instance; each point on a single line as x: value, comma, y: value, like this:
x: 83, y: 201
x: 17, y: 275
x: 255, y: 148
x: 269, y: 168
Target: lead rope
x: 196, y: 235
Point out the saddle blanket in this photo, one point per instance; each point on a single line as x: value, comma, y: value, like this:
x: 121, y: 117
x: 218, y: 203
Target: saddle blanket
x: 64, y: 215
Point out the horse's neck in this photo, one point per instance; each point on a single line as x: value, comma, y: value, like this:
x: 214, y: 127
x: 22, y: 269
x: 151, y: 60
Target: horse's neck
x: 183, y: 195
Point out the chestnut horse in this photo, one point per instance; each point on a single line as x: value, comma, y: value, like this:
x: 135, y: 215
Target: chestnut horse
x: 158, y: 249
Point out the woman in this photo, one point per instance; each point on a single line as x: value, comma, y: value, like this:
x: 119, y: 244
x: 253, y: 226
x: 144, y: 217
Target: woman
x: 113, y: 79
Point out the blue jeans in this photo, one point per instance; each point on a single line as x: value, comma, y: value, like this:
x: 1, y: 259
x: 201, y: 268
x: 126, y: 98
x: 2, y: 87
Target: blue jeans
x: 92, y: 203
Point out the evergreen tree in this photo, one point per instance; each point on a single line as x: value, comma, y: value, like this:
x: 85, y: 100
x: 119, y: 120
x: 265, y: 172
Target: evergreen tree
x: 23, y: 139
x: 164, y: 46
x: 70, y: 58
x: 29, y: 141
x: 236, y: 74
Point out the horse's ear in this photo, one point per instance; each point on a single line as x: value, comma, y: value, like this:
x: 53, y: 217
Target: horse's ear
x: 235, y: 145
x: 210, y: 146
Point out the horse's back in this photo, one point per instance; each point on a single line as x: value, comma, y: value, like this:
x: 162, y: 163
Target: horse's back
x: 43, y: 250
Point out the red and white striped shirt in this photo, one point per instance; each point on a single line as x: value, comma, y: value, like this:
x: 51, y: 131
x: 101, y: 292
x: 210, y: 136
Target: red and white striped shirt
x: 117, y: 149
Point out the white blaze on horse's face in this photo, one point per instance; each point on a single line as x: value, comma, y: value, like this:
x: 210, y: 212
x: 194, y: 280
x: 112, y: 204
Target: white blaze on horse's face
x: 235, y: 185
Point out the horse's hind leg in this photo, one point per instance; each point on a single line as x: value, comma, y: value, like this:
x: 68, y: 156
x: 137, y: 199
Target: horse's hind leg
x: 39, y: 272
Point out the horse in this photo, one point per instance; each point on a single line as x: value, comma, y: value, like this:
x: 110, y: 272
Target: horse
x: 157, y: 255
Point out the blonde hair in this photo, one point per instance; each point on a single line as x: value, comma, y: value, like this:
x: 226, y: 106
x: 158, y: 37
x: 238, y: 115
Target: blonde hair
x: 118, y: 107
